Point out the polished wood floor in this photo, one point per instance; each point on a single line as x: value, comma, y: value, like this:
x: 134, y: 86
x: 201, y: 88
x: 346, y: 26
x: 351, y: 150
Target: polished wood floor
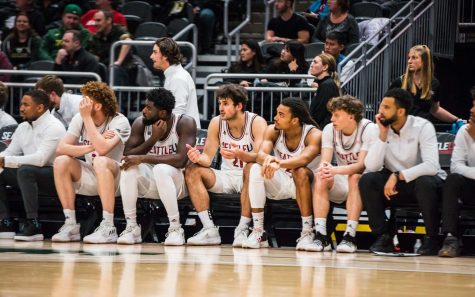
x: 50, y: 269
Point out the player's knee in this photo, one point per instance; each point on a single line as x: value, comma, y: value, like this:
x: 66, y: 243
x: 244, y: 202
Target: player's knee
x: 353, y: 180
x: 102, y: 164
x: 301, y: 175
x: 255, y: 171
x: 192, y: 172
x: 62, y: 162
x: 160, y: 170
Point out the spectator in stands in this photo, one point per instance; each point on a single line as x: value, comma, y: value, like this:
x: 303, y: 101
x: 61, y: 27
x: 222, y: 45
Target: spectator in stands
x: 206, y: 13
x: 53, y: 40
x: 287, y: 25
x: 335, y: 45
x: 155, y: 157
x: 87, y: 20
x: 166, y: 56
x: 51, y: 11
x: 238, y: 135
x: 107, y: 33
x: 35, y: 15
x: 23, y: 44
x: 63, y: 105
x: 317, y: 10
x: 459, y: 184
x: 251, y: 61
x: 403, y: 167
x: 5, y: 118
x: 5, y: 64
x: 284, y: 169
x: 99, y: 134
x: 338, y: 20
x: 27, y: 164
x: 291, y: 61
x: 328, y: 86
x: 419, y: 80
x: 74, y: 58
x: 347, y: 139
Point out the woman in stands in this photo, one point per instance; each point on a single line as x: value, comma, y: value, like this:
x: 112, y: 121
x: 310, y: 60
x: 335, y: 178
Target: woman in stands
x: 22, y: 45
x: 251, y: 62
x: 419, y: 80
x: 338, y: 20
x: 328, y: 84
x: 291, y: 61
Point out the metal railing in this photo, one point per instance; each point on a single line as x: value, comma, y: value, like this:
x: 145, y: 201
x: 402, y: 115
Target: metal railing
x: 263, y: 100
x: 190, y: 66
x: 236, y: 31
x: 268, y: 4
x: 45, y: 72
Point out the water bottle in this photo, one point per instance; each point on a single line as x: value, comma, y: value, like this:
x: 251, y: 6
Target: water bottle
x: 417, y: 245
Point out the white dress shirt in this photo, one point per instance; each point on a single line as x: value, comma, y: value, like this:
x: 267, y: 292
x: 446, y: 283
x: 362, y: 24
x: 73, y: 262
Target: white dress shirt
x: 463, y: 156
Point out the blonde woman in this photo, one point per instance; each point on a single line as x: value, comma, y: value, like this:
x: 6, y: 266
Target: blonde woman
x: 419, y: 80
x: 328, y: 84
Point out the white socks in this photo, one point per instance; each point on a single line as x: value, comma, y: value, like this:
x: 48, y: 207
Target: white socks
x: 70, y: 215
x: 321, y: 225
x: 206, y: 219
x: 351, y: 227
x: 258, y: 220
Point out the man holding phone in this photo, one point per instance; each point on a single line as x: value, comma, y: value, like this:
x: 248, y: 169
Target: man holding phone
x: 403, y: 165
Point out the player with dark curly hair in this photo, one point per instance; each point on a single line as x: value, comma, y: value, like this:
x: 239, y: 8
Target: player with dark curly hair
x: 99, y: 133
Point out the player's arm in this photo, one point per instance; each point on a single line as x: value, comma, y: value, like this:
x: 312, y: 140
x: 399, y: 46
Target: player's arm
x: 312, y: 149
x: 136, y: 144
x: 357, y: 167
x: 259, y: 126
x: 270, y: 136
x: 69, y: 146
x: 186, y: 129
x: 211, y: 146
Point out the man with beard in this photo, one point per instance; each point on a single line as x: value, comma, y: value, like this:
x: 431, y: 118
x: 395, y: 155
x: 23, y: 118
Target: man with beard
x: 238, y: 135
x: 152, y: 167
x: 27, y: 164
x: 287, y: 25
x: 288, y: 172
x: 403, y: 166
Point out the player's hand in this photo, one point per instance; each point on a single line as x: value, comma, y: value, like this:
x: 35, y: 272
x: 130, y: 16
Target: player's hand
x: 271, y: 169
x: 390, y: 187
x: 193, y: 154
x: 85, y: 107
x: 326, y: 171
x: 129, y: 161
x: 268, y: 159
x: 159, y: 129
x: 108, y: 134
x: 232, y: 153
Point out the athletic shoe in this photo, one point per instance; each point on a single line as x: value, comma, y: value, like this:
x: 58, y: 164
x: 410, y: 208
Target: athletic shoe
x: 176, y: 236
x: 450, y: 247
x: 131, y: 235
x: 105, y: 233
x: 7, y: 229
x: 430, y: 246
x: 68, y: 232
x: 347, y: 244
x: 321, y: 243
x: 31, y: 231
x: 206, y: 236
x: 383, y: 244
x: 240, y: 235
x: 306, y: 239
x: 257, y: 239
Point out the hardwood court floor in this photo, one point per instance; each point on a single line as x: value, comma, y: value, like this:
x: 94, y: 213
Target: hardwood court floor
x: 75, y: 269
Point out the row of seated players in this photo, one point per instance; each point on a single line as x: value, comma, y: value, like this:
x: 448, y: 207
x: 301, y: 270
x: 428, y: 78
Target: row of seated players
x: 155, y: 158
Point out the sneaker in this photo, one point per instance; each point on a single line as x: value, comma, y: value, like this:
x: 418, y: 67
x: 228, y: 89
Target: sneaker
x: 347, y: 244
x: 105, y: 233
x: 430, y: 246
x: 131, y: 235
x: 206, y: 236
x: 176, y: 236
x: 240, y: 234
x: 306, y: 239
x: 31, y: 231
x: 383, y: 244
x: 319, y: 244
x: 450, y: 247
x: 257, y: 239
x: 67, y: 233
x: 7, y: 229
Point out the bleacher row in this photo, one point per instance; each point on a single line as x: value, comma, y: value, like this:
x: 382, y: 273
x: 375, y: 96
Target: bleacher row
x: 283, y: 222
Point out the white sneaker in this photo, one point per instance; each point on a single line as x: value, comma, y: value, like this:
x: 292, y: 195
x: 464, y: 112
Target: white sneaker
x: 321, y: 243
x: 131, y: 235
x: 257, y: 239
x: 240, y: 234
x: 68, y: 232
x: 105, y: 233
x: 306, y: 239
x: 206, y: 236
x: 347, y: 244
x: 175, y: 236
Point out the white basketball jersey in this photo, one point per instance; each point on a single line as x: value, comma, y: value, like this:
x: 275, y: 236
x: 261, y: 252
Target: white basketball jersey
x: 282, y: 152
x: 169, y: 145
x: 347, y: 148
x: 244, y: 142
